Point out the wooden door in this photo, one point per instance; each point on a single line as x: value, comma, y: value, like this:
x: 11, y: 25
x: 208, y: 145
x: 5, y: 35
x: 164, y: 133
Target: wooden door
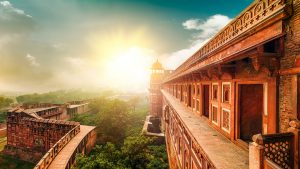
x: 206, y: 100
x: 298, y: 97
x: 181, y: 93
x: 251, y: 110
x: 189, y: 95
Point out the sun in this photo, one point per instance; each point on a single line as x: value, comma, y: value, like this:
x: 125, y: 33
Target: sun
x: 123, y: 58
x: 130, y: 68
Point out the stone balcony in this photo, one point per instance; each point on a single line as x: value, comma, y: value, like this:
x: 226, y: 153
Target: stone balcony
x: 220, y: 151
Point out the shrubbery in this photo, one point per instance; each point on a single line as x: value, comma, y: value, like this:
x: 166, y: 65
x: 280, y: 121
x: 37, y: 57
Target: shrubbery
x: 120, y: 144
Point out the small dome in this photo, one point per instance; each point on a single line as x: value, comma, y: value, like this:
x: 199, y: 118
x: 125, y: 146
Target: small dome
x: 156, y: 65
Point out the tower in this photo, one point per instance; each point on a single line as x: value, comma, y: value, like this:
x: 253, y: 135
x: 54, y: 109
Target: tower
x: 157, y: 74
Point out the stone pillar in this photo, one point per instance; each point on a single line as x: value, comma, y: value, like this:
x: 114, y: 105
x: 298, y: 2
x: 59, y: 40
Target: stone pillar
x: 295, y: 128
x: 256, y: 153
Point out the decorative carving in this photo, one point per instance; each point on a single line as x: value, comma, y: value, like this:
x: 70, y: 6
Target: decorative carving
x: 167, y: 113
x: 226, y: 120
x: 190, y: 144
x: 214, y: 73
x: 256, y: 62
x: 215, y: 91
x: 267, y: 63
x: 278, y: 152
x: 200, y: 154
x: 215, y: 114
x: 227, y: 71
x: 204, y: 75
x: 226, y: 92
x: 255, y: 14
x: 278, y: 149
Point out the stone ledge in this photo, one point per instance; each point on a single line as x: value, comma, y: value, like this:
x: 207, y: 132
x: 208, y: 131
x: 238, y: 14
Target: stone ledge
x: 222, y: 152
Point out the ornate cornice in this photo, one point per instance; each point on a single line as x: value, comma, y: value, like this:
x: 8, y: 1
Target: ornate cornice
x: 256, y: 14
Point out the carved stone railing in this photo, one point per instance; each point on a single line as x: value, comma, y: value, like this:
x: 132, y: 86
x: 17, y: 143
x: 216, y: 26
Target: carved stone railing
x: 181, y: 131
x: 277, y: 150
x: 201, y: 155
x: 58, y: 146
x: 256, y: 14
x: 82, y: 146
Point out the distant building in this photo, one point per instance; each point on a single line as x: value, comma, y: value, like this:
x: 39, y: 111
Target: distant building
x: 152, y: 126
x: 158, y: 73
x: 235, y: 103
x: 37, y: 133
x: 77, y: 107
x: 47, y: 111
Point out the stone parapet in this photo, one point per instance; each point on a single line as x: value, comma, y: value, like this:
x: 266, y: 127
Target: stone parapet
x: 29, y: 138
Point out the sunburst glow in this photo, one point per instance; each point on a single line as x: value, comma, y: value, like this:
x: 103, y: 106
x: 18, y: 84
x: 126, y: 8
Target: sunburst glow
x: 129, y: 67
x: 122, y: 58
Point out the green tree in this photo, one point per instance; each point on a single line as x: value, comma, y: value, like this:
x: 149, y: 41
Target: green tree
x: 159, y: 157
x: 136, y: 153
x: 97, y: 105
x: 85, y: 119
x: 134, y: 101
x: 61, y: 96
x: 112, y: 122
x: 102, y: 157
x: 5, y: 102
x: 119, y: 125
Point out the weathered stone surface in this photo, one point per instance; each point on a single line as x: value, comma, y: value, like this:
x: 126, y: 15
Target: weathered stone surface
x: 218, y: 150
x: 267, y: 55
x: 291, y: 53
x: 29, y: 138
x: 255, y: 156
x: 66, y: 155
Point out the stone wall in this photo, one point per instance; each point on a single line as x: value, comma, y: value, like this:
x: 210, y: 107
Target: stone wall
x: 290, y: 59
x: 29, y: 138
x: 91, y: 140
x: 72, y: 110
x: 3, y: 130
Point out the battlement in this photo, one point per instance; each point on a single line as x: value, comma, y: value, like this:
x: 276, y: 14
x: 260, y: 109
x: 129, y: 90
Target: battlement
x: 29, y: 137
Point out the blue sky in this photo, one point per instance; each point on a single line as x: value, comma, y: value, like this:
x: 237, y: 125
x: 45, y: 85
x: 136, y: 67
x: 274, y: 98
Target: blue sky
x: 164, y: 17
x: 49, y: 45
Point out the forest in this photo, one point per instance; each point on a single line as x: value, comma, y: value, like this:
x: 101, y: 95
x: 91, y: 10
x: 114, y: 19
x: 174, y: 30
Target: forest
x: 5, y: 102
x: 60, y: 96
x: 120, y: 144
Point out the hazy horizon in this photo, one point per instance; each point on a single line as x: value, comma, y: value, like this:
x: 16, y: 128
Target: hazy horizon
x: 54, y: 45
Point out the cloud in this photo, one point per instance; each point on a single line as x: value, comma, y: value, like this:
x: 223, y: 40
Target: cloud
x: 206, y: 29
x: 191, y: 24
x: 75, y: 61
x: 7, y: 9
x: 5, y: 3
x: 14, y: 21
x: 214, y: 21
x: 32, y: 60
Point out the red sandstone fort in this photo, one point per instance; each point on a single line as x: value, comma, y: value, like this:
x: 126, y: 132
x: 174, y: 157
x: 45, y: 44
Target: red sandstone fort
x: 235, y: 103
x: 40, y: 133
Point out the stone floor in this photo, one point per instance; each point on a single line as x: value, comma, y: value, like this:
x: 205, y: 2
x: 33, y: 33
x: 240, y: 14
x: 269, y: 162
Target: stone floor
x: 221, y: 151
x: 65, y: 154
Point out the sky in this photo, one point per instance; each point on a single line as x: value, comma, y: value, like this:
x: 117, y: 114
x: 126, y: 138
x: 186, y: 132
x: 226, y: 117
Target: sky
x: 69, y: 44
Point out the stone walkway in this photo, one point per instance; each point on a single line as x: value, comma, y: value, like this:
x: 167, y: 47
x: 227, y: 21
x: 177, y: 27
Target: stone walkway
x: 62, y: 159
x: 221, y: 151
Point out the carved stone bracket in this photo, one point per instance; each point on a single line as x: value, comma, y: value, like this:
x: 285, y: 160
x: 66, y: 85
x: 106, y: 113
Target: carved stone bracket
x: 214, y: 73
x: 204, y: 75
x: 227, y: 71
x: 265, y: 62
x: 196, y: 77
